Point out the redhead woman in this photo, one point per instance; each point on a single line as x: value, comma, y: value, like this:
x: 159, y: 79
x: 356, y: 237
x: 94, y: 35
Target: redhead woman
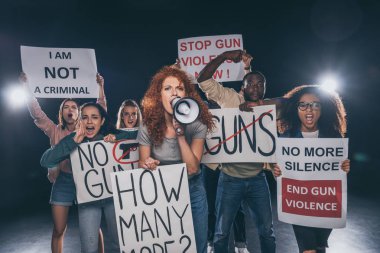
x: 164, y: 141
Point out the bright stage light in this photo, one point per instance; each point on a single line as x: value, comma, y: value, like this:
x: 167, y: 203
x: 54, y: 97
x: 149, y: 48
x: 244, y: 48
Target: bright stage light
x: 15, y: 95
x: 329, y: 83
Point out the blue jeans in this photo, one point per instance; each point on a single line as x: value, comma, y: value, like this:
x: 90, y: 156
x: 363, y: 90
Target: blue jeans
x: 63, y: 191
x: 232, y: 191
x: 199, y: 211
x: 90, y: 215
x: 211, y: 178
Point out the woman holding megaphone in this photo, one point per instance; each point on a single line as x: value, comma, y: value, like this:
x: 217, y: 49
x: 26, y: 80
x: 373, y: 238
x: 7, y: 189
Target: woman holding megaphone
x: 164, y: 140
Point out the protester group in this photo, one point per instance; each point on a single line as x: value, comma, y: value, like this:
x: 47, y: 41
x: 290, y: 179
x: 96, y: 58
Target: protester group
x: 220, y: 194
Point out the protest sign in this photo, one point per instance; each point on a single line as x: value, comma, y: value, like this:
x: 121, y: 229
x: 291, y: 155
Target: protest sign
x: 153, y: 211
x: 194, y: 53
x: 60, y: 72
x: 92, y: 163
x: 312, y: 190
x: 242, y: 136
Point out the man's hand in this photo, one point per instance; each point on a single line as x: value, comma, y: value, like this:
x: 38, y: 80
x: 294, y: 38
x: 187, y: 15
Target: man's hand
x: 233, y: 55
x: 247, y: 106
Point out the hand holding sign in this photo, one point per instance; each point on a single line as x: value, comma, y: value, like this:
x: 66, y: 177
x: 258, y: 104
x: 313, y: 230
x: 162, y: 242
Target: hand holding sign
x: 246, y: 59
x: 346, y: 165
x: 233, y: 55
x: 149, y: 163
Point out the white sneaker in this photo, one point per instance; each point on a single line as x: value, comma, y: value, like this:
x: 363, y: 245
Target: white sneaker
x: 241, y: 250
x: 210, y: 249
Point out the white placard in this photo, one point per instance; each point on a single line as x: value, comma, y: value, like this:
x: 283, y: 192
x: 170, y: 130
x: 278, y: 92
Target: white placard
x: 312, y: 190
x: 92, y: 163
x: 153, y: 211
x: 242, y: 136
x: 60, y: 72
x: 194, y: 53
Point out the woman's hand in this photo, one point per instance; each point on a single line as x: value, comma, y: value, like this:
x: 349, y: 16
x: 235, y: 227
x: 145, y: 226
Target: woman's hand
x: 346, y: 166
x: 276, y: 171
x: 178, y: 128
x: 110, y: 138
x: 150, y: 163
x: 52, y: 174
x: 80, y: 132
x: 100, y: 80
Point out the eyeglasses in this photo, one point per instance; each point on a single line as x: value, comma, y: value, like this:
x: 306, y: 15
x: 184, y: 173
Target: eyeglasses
x: 313, y: 105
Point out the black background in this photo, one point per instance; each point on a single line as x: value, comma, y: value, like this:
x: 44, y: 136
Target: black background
x: 292, y: 42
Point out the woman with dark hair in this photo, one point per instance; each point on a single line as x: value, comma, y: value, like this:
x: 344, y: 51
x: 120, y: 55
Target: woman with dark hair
x: 94, y: 125
x: 311, y: 112
x: 129, y: 115
x: 63, y: 189
x: 164, y: 141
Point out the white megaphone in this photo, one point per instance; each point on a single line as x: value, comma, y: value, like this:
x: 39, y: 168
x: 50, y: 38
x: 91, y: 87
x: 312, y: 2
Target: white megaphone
x: 185, y: 110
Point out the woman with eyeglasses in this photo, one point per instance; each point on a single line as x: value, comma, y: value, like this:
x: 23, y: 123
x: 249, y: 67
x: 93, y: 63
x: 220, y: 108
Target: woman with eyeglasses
x: 311, y: 112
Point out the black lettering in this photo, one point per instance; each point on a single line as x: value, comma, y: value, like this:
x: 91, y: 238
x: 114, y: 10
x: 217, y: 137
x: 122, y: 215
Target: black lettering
x: 105, y: 153
x: 273, y: 139
x: 144, y: 220
x: 188, y: 242
x: 50, y: 72
x: 181, y: 216
x: 251, y: 142
x: 119, y: 192
x: 172, y: 191
x: 37, y: 90
x: 167, y: 226
x: 225, y: 137
x: 89, y: 159
x: 123, y: 223
x: 142, y: 185
x: 94, y: 185
x: 216, y: 151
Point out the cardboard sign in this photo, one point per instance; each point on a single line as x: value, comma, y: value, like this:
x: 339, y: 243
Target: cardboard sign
x: 60, y: 72
x: 93, y: 162
x: 312, y: 190
x: 153, y: 210
x: 195, y: 53
x: 242, y: 136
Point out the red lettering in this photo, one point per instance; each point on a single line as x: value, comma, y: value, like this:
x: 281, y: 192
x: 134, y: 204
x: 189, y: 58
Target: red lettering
x: 186, y: 61
x: 183, y: 46
x: 218, y: 74
x: 219, y: 44
x: 207, y: 44
x: 228, y: 43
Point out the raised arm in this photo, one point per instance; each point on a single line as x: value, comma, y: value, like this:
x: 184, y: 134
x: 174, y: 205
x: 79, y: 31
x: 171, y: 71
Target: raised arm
x: 246, y: 59
x: 41, y: 120
x: 207, y: 72
x: 102, y: 96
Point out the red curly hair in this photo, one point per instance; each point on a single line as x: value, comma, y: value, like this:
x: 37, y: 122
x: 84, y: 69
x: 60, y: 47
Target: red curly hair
x: 153, y: 109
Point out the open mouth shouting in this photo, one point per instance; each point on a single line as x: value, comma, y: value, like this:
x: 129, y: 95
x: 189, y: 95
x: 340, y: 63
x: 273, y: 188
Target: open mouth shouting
x: 90, y: 131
